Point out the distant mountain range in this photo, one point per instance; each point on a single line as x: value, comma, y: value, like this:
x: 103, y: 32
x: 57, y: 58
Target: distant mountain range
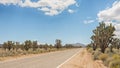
x: 78, y: 44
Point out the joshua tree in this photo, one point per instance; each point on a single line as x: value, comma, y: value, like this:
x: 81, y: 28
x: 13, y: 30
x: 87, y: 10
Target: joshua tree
x: 22, y: 46
x: 58, y: 44
x: 46, y: 46
x: 8, y: 45
x: 35, y: 45
x: 103, y: 35
x: 28, y: 45
x: 17, y: 45
x: 115, y: 43
x: 118, y: 46
x: 5, y: 45
x: 50, y: 46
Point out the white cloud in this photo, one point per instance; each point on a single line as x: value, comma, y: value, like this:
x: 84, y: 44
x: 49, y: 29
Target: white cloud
x: 44, y: 9
x: 111, y: 15
x: 88, y: 21
x: 8, y: 2
x: 49, y: 7
x: 52, y: 12
x: 71, y: 11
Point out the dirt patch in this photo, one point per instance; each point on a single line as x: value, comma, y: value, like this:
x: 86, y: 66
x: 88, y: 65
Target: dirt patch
x: 83, y: 60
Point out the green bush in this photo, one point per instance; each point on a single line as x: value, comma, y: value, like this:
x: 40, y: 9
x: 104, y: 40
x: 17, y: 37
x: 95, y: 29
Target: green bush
x: 115, y: 64
x: 103, y: 57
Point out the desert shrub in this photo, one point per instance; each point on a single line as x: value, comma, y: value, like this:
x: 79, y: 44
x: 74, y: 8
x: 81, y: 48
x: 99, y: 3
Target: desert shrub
x: 9, y: 53
x: 107, y: 50
x: 115, y: 51
x: 88, y: 47
x: 90, y: 50
x: 108, y: 60
x: 115, y: 64
x: 19, y: 52
x: 53, y: 49
x: 96, y: 54
x: 103, y: 57
x: 23, y: 53
x: 113, y: 61
x: 116, y: 56
x: 30, y: 51
x: 38, y: 51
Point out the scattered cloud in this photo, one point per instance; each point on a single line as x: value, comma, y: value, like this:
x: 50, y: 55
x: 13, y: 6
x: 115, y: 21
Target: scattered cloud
x: 77, y: 5
x: 71, y: 11
x: 49, y: 7
x: 8, y: 2
x: 88, y: 21
x: 111, y: 15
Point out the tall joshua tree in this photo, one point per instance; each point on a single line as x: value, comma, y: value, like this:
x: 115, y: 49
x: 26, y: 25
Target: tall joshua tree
x: 103, y: 35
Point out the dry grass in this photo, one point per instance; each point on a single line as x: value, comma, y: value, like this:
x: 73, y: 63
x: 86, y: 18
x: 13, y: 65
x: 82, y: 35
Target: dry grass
x: 110, y: 59
x: 103, y: 57
x: 13, y: 54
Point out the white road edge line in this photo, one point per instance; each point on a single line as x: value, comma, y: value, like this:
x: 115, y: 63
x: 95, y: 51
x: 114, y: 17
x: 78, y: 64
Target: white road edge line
x: 68, y: 59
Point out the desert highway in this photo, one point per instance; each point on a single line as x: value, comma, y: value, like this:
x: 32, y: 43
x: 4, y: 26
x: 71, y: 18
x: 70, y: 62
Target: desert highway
x: 48, y: 60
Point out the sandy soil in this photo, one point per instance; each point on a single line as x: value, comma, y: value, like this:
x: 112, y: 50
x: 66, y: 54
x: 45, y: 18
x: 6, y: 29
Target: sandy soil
x: 83, y: 60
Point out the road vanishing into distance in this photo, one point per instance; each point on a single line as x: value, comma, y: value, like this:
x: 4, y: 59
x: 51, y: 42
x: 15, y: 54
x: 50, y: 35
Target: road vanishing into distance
x: 48, y: 60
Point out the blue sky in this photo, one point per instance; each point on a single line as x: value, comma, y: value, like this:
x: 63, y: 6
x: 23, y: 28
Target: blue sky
x: 28, y: 23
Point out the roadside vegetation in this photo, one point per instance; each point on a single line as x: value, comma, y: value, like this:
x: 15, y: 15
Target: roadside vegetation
x: 105, y: 45
x: 10, y: 48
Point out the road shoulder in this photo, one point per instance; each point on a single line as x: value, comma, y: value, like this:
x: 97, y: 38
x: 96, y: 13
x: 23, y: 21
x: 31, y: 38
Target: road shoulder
x: 83, y: 60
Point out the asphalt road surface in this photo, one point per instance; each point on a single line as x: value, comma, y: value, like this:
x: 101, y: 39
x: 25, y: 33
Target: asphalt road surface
x: 48, y: 60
